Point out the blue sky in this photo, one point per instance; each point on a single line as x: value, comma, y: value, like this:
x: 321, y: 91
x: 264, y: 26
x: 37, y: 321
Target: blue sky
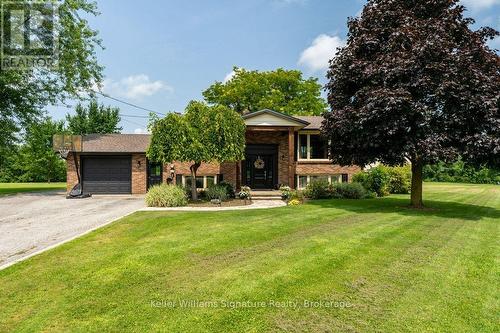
x: 162, y: 54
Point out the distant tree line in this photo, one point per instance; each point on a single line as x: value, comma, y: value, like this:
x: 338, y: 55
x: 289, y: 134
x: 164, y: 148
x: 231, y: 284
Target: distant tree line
x: 461, y: 172
x: 33, y: 158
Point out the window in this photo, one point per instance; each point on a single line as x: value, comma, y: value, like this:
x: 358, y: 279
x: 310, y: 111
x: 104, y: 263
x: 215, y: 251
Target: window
x: 312, y: 147
x: 318, y: 148
x: 201, y: 181
x: 304, y: 180
x: 210, y: 181
x: 303, y: 146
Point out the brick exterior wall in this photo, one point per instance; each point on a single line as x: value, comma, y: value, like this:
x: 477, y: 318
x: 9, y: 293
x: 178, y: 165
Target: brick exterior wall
x: 139, y: 174
x: 279, y: 138
x: 71, y: 176
x: 229, y: 170
x: 324, y: 168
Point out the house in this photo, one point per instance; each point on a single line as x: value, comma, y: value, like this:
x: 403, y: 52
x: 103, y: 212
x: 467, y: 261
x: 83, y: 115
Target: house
x: 280, y: 150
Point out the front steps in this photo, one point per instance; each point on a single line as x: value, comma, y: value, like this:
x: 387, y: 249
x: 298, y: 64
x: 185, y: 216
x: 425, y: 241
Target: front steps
x: 266, y: 195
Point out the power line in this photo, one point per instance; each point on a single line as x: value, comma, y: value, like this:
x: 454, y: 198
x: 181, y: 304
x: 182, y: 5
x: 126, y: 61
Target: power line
x: 129, y: 104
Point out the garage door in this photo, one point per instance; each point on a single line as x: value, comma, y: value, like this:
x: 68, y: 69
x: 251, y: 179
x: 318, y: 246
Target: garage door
x: 107, y: 174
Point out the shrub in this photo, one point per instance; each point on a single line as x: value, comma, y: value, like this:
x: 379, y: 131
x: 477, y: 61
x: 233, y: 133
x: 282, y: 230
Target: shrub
x: 216, y: 192
x: 286, y: 192
x: 297, y: 195
x: 166, y: 196
x: 229, y: 189
x: 318, y: 189
x: 399, y: 179
x: 245, y: 193
x: 294, y: 202
x: 349, y: 191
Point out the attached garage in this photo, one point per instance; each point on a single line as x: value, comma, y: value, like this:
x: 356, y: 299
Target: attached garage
x: 107, y: 174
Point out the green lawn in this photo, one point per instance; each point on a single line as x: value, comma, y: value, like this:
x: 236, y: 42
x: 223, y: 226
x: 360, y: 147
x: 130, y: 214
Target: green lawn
x: 387, y: 267
x: 12, y: 188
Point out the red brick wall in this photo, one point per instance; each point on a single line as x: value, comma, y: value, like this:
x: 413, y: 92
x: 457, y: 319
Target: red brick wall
x: 229, y: 172
x: 279, y: 138
x: 71, y: 176
x: 139, y: 174
x: 324, y: 168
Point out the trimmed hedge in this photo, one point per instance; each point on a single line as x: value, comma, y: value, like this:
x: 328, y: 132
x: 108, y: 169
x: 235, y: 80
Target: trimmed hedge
x: 165, y: 195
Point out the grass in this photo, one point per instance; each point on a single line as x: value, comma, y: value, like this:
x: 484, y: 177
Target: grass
x: 375, y: 265
x: 13, y: 188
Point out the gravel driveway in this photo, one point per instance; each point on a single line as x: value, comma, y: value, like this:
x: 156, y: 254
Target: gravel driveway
x: 32, y: 222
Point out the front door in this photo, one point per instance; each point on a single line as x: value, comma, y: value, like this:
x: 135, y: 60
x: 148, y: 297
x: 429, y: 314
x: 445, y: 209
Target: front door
x: 260, y: 167
x: 155, y: 174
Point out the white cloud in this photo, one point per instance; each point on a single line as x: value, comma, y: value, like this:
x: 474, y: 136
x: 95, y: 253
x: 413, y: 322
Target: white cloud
x: 134, y: 87
x: 141, y: 131
x: 229, y: 76
x: 317, y: 56
x: 479, y: 4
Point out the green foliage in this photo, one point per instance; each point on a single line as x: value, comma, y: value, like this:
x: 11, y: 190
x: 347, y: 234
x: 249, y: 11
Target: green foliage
x: 165, y: 195
x: 384, y: 180
x: 318, y: 189
x: 203, y: 134
x: 297, y: 195
x: 216, y: 192
x: 349, y: 191
x: 286, y: 192
x: 460, y: 172
x: 94, y: 119
x: 25, y: 93
x: 229, y: 189
x: 399, y: 179
x: 375, y: 180
x: 34, y: 160
x: 280, y: 90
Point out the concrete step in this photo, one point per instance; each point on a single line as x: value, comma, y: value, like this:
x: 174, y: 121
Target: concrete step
x: 257, y: 197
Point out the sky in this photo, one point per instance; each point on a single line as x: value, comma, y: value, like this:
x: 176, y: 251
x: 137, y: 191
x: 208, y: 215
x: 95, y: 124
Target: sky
x: 160, y: 54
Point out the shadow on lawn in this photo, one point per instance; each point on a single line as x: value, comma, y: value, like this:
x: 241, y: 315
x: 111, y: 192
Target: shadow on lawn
x: 444, y: 209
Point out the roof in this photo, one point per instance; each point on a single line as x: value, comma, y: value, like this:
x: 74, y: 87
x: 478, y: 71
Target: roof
x: 314, y: 122
x: 287, y: 119
x: 139, y: 143
x: 116, y: 143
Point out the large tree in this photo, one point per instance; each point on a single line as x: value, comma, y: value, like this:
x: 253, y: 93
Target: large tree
x: 35, y: 160
x: 416, y: 83
x: 203, y: 134
x: 25, y: 92
x: 94, y: 119
x: 281, y: 90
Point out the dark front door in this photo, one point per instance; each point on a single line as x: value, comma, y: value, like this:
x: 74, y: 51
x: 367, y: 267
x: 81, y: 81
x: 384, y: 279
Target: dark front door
x: 155, y: 174
x: 260, y: 167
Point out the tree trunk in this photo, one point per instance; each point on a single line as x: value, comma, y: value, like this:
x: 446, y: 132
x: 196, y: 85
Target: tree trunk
x: 194, y: 192
x: 416, y: 183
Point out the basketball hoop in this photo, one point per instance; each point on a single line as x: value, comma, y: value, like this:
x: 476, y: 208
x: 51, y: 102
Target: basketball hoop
x: 66, y: 143
x: 64, y: 152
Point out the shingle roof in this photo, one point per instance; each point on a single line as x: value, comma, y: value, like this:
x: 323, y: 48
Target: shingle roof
x: 116, y: 143
x: 314, y: 122
x: 139, y: 143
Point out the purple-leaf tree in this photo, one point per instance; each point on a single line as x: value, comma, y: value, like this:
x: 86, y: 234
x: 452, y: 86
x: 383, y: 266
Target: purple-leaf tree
x: 414, y: 83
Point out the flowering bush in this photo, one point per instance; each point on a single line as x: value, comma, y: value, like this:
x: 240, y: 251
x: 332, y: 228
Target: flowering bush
x: 245, y: 193
x: 294, y: 202
x: 286, y: 192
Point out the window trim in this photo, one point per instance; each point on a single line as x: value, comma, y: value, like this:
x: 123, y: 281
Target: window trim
x: 204, y: 181
x: 308, y: 145
x: 330, y: 177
